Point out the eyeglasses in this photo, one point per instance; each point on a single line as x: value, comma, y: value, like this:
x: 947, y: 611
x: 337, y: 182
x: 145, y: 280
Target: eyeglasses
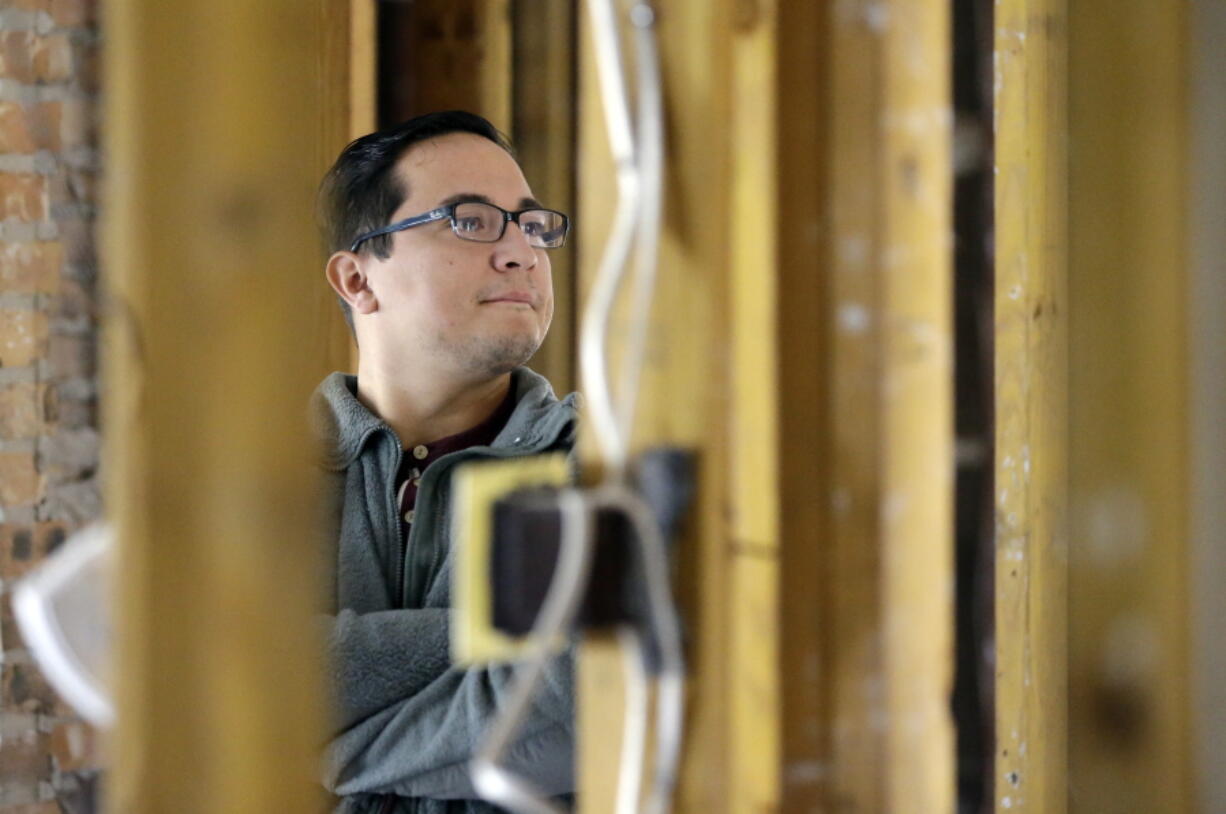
x: 486, y: 223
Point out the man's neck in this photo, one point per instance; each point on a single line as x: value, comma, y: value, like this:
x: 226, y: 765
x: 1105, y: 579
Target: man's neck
x: 422, y: 409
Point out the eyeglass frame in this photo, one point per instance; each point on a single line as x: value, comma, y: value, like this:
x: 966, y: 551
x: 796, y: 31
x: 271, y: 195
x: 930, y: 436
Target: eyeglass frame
x: 448, y: 211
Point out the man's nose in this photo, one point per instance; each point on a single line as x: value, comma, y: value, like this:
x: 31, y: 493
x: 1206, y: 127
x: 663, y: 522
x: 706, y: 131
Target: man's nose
x: 512, y: 251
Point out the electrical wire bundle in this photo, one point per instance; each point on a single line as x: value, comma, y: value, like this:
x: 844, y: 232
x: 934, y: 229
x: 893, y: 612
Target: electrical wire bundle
x: 638, y: 159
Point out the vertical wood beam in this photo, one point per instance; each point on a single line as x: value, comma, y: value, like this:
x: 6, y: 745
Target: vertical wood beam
x: 363, y: 62
x: 445, y: 54
x: 889, y: 657
x: 803, y: 344
x: 1129, y: 715
x: 1207, y: 331
x: 754, y: 725
x: 210, y: 258
x: 685, y: 383
x: 771, y: 167
x: 345, y: 77
x: 1031, y: 392
x: 544, y: 112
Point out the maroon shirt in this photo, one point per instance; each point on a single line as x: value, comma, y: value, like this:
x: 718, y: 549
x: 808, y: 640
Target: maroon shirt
x: 415, y: 460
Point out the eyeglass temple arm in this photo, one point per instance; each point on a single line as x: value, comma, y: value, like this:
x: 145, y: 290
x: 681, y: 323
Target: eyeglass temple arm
x: 416, y: 220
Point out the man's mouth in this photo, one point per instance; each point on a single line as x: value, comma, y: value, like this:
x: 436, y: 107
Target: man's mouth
x: 521, y: 297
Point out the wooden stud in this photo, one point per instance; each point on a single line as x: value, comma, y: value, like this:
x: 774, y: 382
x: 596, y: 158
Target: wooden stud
x: 1207, y: 292
x: 1130, y: 719
x: 544, y: 133
x: 443, y: 55
x: 747, y: 246
x: 754, y: 225
x: 209, y: 250
x: 684, y: 386
x: 1031, y: 394
x: 889, y: 657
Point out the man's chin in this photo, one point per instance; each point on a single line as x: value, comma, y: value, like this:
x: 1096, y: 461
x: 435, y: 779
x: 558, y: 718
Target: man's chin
x: 494, y: 357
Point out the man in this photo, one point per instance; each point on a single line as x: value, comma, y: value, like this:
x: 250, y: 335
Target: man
x: 440, y: 257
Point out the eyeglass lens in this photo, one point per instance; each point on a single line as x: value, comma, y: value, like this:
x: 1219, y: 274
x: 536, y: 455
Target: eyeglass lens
x: 484, y: 223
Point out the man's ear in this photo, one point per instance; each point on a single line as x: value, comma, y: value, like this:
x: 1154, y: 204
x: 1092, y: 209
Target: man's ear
x: 348, y: 279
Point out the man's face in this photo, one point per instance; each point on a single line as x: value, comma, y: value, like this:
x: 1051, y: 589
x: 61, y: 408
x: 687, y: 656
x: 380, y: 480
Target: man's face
x: 469, y: 308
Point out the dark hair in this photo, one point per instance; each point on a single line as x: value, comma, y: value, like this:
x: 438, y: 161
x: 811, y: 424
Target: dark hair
x: 361, y: 190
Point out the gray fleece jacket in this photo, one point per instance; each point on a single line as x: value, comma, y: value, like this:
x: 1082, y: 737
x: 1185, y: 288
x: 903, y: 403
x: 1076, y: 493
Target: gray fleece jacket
x: 407, y: 722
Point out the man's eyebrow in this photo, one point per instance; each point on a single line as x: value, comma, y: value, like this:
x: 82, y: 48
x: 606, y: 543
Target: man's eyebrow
x: 465, y: 197
x: 476, y: 197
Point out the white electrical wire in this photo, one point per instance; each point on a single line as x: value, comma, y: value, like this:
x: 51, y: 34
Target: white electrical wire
x: 490, y: 778
x: 651, y: 179
x: 634, y: 730
x: 670, y: 681
x: 637, y: 212
x: 593, y: 335
x: 640, y: 182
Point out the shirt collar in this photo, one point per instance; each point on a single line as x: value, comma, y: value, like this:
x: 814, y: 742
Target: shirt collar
x: 342, y: 425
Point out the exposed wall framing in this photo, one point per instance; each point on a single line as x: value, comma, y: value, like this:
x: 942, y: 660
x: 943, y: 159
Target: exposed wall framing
x: 809, y: 190
x: 208, y: 245
x: 1031, y: 383
x: 1129, y: 636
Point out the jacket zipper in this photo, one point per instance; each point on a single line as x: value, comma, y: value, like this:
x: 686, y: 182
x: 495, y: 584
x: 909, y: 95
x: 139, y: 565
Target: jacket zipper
x: 400, y: 535
x: 442, y: 465
x: 451, y: 460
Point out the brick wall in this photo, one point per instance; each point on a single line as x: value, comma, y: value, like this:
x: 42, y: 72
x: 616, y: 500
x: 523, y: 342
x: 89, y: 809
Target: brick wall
x: 48, y: 385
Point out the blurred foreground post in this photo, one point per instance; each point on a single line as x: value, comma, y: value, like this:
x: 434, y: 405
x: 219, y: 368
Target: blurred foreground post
x: 1130, y: 712
x: 215, y: 329
x: 801, y: 343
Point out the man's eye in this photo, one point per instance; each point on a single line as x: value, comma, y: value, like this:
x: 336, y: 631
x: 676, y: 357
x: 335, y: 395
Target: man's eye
x: 531, y: 228
x: 468, y: 224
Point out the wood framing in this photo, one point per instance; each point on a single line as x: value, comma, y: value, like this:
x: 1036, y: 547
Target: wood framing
x: 890, y: 569
x: 1031, y: 395
x: 543, y: 114
x: 801, y: 341
x: 1130, y: 718
x: 445, y: 54
x: 210, y: 249
x: 345, y: 78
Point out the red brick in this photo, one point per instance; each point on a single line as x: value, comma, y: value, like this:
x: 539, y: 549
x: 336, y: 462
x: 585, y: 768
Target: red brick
x: 28, y: 57
x: 78, y: 123
x: 72, y: 185
x: 25, y: 545
x: 23, y: 688
x: 20, y: 484
x: 23, y: 197
x: 23, y: 337
x: 10, y: 637
x: 16, y: 59
x: 75, y: 414
x: 53, y: 58
x: 75, y: 301
x: 35, y: 808
x: 77, y: 238
x: 71, y: 356
x: 31, y: 268
x: 28, y: 128
x: 65, y: 13
x: 75, y: 747
x: 73, y: 12
x: 23, y: 409
x: 86, y: 65
x: 25, y: 758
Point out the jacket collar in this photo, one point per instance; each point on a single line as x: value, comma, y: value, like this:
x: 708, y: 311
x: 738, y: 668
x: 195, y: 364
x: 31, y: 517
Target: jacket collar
x: 342, y: 424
